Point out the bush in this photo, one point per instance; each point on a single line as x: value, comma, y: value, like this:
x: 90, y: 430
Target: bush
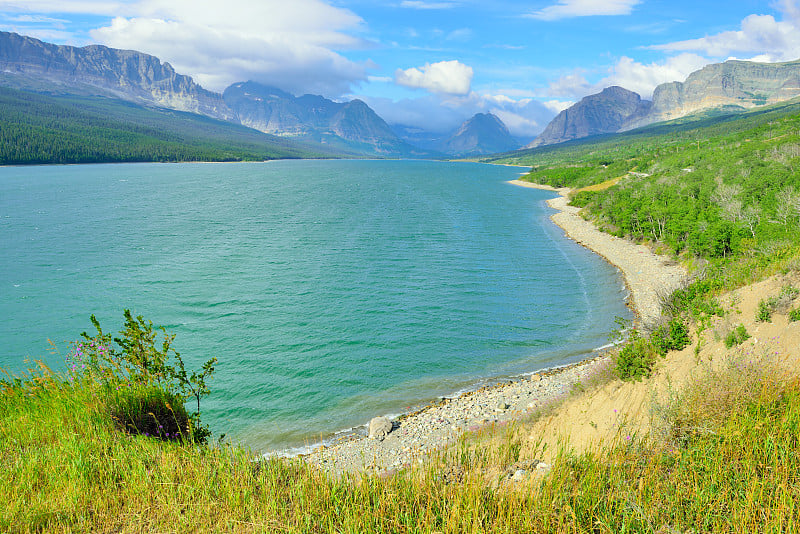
x: 672, y: 336
x: 636, y: 358
x: 146, y: 392
x: 764, y: 312
x: 149, y: 411
x: 737, y: 336
x: 794, y: 315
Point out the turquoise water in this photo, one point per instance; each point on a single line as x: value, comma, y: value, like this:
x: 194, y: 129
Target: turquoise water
x: 330, y: 291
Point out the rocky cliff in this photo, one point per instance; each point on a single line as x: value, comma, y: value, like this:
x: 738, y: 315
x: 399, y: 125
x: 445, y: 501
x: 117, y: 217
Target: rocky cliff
x: 745, y: 84
x: 604, y: 112
x: 271, y: 110
x: 125, y: 74
x: 733, y: 84
x: 483, y: 134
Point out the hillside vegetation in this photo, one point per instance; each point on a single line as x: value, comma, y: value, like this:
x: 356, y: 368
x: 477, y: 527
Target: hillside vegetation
x: 712, y: 188
x: 725, y: 456
x: 40, y: 129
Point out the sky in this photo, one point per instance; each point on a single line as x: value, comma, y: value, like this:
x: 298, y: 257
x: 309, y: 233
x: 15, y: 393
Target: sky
x: 429, y: 64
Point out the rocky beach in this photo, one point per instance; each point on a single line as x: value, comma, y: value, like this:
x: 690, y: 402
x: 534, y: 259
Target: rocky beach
x: 409, y: 438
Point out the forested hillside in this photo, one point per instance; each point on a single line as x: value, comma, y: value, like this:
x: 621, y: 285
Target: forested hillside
x: 714, y: 187
x: 38, y: 129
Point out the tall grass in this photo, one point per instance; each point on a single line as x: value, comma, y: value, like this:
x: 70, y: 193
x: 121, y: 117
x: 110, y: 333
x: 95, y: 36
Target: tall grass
x: 727, y: 459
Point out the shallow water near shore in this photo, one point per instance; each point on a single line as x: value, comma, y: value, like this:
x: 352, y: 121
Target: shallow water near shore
x: 330, y: 291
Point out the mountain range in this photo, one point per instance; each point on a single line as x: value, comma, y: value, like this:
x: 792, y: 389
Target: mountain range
x: 317, y: 124
x: 349, y: 128
x: 731, y: 86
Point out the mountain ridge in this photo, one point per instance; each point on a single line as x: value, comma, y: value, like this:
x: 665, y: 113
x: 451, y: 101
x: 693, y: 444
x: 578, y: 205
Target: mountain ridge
x: 483, y: 133
x: 731, y: 84
x: 29, y: 64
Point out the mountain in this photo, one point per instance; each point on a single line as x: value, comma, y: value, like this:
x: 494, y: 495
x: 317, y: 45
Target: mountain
x: 604, y: 112
x: 730, y: 85
x: 28, y: 63
x: 350, y: 125
x: 745, y: 84
x: 45, y: 128
x: 483, y: 134
x: 351, y: 128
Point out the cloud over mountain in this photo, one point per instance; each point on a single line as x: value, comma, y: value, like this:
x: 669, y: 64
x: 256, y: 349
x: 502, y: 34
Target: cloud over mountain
x: 296, y: 44
x: 448, y: 77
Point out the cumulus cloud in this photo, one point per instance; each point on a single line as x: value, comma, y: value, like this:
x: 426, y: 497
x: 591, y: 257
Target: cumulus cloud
x: 760, y: 37
x: 447, y: 77
x: 293, y: 45
x: 558, y: 106
x: 584, y: 8
x: 635, y: 76
x: 643, y: 78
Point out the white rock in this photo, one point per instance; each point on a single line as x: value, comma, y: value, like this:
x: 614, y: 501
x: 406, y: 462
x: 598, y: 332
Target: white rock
x: 502, y: 406
x: 379, y: 428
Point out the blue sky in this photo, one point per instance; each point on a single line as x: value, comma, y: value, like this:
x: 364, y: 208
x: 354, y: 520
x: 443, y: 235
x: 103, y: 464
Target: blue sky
x: 428, y: 63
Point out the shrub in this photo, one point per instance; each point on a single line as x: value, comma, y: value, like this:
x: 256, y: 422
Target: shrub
x: 150, y: 411
x: 764, y: 312
x: 794, y: 315
x: 147, y: 392
x: 737, y: 336
x: 672, y: 336
x: 636, y: 358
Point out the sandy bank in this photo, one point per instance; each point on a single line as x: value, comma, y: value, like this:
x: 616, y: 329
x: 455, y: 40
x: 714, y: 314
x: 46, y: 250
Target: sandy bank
x: 438, y: 425
x: 647, y: 275
x: 619, y: 410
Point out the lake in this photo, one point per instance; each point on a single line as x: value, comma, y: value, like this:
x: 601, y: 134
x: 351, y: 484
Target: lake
x: 330, y: 291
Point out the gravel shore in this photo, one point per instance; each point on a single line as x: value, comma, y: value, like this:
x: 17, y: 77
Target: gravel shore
x: 434, y: 427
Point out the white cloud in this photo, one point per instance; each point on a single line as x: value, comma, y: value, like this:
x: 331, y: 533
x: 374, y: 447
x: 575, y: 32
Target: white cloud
x: 760, y: 37
x: 558, y: 105
x: 639, y: 77
x: 37, y: 19
x: 462, y: 34
x: 448, y: 77
x: 418, y: 4
x: 584, y: 8
x: 94, y: 7
x: 571, y: 86
x: 643, y: 78
x: 293, y: 45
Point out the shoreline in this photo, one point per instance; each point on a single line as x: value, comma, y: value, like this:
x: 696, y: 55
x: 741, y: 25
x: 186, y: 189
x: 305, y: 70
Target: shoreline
x: 439, y: 424
x: 647, y: 275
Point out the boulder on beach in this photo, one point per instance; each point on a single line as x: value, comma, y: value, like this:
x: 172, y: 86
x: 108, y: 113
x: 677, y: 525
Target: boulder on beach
x: 379, y: 428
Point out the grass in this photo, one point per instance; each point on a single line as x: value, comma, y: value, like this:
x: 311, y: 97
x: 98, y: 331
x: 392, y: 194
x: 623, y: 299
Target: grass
x: 726, y: 458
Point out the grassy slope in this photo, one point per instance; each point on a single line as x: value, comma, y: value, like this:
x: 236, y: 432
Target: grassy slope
x: 728, y: 460
x: 37, y: 128
x: 730, y: 463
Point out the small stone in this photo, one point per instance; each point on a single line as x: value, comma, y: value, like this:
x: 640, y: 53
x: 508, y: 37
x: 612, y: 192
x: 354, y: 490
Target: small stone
x: 541, y: 466
x: 379, y: 428
x: 535, y: 378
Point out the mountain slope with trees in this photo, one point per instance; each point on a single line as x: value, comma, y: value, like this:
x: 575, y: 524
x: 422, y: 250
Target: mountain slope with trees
x: 39, y: 129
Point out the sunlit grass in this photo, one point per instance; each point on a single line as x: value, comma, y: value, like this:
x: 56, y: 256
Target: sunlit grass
x: 726, y: 459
